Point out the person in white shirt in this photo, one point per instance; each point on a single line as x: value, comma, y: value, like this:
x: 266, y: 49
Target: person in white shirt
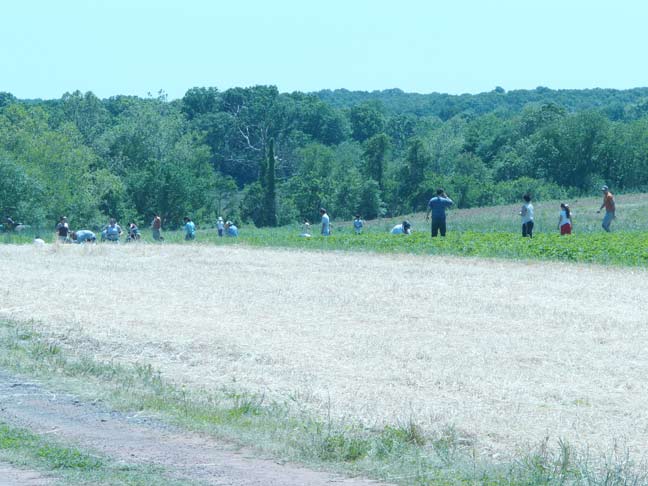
x: 306, y: 229
x: 565, y: 221
x: 405, y: 228
x: 220, y: 226
x: 527, y: 217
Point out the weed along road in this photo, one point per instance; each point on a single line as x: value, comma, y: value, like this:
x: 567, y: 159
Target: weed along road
x: 506, y: 352
x: 131, y: 438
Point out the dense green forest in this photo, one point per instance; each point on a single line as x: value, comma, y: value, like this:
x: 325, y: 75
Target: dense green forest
x: 256, y: 155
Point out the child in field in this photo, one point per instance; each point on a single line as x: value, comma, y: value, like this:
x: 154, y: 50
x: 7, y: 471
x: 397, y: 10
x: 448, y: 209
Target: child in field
x: 220, y: 226
x: 564, y: 221
x: 306, y: 229
x: 133, y: 232
x: 190, y: 229
x: 358, y: 224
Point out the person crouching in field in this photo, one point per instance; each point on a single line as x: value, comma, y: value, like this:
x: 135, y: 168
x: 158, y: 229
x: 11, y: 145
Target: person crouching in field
x: 156, y: 228
x: 306, y: 229
x: 231, y: 230
x: 527, y: 217
x: 564, y: 221
x: 189, y: 229
x: 610, y: 208
x: 83, y: 236
x: 405, y: 228
x: 112, y: 232
x: 437, y: 206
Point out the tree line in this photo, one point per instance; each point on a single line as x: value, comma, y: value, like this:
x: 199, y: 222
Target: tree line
x: 256, y: 155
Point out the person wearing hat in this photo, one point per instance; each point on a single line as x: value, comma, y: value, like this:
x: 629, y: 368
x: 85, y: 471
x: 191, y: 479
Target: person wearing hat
x: 610, y: 208
x: 220, y: 226
x: 231, y: 229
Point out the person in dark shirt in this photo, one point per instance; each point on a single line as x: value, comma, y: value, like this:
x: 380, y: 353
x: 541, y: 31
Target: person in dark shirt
x: 437, y: 206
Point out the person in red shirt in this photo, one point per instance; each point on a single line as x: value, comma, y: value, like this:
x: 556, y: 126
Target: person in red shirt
x: 610, y: 208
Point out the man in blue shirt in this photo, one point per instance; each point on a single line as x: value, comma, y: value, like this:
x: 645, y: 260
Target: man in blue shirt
x: 437, y: 206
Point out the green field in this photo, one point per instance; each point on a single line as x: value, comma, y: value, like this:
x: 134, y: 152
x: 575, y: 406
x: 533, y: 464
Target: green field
x: 484, y: 232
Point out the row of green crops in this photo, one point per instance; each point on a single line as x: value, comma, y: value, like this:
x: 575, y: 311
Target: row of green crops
x: 630, y: 249
x: 617, y: 248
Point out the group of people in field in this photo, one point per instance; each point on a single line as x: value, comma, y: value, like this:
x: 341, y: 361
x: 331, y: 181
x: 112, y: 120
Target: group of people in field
x: 565, y: 223
x: 436, y: 208
x: 113, y: 232
x: 438, y: 205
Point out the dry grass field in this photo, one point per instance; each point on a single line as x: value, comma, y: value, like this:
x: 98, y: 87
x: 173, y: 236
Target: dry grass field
x: 509, y: 353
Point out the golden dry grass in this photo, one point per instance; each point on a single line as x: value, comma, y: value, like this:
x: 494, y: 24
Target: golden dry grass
x: 507, y: 352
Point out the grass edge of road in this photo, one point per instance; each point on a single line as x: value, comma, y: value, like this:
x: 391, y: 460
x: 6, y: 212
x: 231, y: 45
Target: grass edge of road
x: 67, y: 464
x: 400, y: 453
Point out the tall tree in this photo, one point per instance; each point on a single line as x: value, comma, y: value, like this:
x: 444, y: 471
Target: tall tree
x: 375, y: 154
x: 270, y: 189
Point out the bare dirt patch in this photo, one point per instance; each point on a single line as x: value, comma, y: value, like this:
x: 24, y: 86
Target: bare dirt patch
x: 12, y: 476
x: 507, y: 352
x: 137, y: 440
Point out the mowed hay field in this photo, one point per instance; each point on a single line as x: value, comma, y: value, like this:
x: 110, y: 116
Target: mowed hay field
x: 506, y: 352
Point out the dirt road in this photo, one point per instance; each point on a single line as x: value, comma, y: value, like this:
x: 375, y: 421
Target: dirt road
x: 139, y: 440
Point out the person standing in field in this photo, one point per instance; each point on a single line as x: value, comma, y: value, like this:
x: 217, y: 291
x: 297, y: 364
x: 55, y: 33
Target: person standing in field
x: 189, y: 229
x: 565, y: 221
x: 156, y: 227
x: 326, y: 223
x: 527, y: 217
x: 610, y: 208
x: 63, y: 230
x: 220, y: 226
x: 437, y: 206
x: 358, y: 224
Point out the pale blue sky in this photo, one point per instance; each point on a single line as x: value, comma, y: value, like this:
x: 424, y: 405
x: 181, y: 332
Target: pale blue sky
x: 135, y: 47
